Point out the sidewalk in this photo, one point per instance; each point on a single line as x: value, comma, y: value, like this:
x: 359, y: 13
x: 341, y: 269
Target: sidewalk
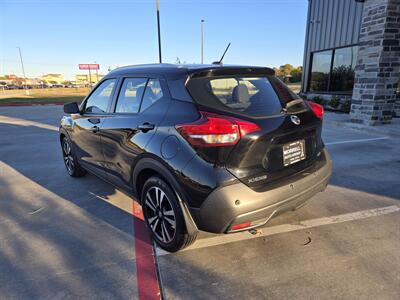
x: 343, y: 120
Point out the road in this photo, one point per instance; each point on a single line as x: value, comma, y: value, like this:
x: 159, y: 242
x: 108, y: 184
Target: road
x: 62, y: 237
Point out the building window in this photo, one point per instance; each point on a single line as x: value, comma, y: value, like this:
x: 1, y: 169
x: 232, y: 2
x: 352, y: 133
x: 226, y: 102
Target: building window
x: 333, y: 70
x: 344, y: 62
x: 321, y: 65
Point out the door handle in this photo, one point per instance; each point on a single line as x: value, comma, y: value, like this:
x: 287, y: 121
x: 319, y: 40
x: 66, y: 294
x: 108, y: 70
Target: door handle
x: 146, y: 127
x: 95, y: 129
x: 94, y: 120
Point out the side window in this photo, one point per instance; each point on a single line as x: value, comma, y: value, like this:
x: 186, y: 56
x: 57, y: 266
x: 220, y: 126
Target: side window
x: 152, y: 94
x: 130, y: 95
x: 100, y: 98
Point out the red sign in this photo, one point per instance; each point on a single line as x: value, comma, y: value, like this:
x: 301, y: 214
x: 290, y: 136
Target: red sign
x: 89, y: 66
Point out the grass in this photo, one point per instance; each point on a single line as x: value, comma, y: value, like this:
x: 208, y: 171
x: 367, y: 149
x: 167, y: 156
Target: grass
x: 43, y: 96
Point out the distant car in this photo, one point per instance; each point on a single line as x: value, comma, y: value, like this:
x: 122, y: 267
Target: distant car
x: 201, y: 147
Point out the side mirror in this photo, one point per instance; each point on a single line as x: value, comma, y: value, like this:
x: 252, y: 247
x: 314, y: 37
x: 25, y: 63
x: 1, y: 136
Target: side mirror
x: 71, y: 108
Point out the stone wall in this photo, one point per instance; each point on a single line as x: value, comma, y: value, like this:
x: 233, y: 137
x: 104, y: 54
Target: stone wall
x: 378, y: 63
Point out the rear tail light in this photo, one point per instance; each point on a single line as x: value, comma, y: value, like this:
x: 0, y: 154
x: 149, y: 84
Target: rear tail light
x: 213, y: 130
x: 317, y: 109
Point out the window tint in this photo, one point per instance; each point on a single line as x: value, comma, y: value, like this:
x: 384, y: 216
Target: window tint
x: 152, y: 94
x: 344, y: 63
x: 254, y: 96
x: 339, y: 78
x: 130, y: 95
x: 321, y: 65
x: 100, y: 98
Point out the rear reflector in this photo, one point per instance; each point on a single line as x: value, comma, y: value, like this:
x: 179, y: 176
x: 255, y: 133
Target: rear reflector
x: 241, y: 226
x: 213, y: 130
x: 317, y: 109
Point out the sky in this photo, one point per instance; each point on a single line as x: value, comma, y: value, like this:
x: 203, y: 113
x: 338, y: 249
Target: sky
x: 56, y: 35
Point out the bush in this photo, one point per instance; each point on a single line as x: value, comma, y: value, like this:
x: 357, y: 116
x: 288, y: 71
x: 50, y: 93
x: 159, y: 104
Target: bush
x: 334, y: 102
x: 318, y: 100
x: 346, y: 106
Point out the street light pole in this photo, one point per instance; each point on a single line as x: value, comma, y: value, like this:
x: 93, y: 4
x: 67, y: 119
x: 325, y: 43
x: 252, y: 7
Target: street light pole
x: 158, y: 27
x: 202, y: 42
x: 23, y: 69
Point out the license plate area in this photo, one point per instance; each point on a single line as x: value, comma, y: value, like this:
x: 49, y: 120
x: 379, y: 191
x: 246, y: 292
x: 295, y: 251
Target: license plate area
x: 293, y: 152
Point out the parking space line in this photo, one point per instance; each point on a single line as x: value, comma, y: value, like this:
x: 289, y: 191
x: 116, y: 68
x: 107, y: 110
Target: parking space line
x: 357, y: 141
x: 267, y: 231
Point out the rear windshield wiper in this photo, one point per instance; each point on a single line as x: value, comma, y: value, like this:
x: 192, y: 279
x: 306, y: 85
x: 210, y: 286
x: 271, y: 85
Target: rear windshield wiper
x: 291, y: 104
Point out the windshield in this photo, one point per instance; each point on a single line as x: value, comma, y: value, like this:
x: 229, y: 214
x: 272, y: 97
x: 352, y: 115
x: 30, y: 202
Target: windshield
x: 254, y: 96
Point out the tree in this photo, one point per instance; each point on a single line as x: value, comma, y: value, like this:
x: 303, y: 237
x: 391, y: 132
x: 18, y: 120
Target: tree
x: 296, y: 74
x: 289, y: 73
x: 286, y: 69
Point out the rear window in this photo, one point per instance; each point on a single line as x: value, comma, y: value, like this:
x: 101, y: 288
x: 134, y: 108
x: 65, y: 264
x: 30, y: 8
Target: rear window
x: 254, y: 96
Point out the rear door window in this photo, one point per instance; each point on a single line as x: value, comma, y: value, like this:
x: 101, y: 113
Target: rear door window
x: 253, y: 96
x: 130, y: 95
x: 152, y: 94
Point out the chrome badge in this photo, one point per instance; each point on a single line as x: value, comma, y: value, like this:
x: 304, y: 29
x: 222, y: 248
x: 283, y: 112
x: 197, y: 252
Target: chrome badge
x: 295, y: 119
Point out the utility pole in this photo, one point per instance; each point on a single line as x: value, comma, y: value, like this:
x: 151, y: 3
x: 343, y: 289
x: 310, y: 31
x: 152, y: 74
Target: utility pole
x: 90, y: 78
x: 159, y: 34
x: 23, y: 69
x: 97, y: 74
x: 202, y: 41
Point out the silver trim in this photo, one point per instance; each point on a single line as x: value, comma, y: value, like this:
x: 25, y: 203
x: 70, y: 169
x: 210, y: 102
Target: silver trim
x: 295, y: 119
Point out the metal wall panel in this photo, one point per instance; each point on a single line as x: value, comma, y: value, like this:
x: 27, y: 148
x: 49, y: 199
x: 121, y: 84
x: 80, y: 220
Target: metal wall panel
x: 330, y: 24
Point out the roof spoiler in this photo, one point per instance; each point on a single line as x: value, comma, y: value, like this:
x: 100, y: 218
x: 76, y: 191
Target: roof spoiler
x: 226, y: 71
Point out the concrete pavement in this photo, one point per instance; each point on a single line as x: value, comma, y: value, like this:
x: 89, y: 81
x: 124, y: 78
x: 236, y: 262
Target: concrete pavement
x: 62, y: 237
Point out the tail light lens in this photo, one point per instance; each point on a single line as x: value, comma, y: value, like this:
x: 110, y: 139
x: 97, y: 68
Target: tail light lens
x: 317, y: 109
x: 213, y: 130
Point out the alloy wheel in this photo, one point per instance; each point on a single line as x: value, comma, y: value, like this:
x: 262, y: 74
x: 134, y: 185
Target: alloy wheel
x: 68, y: 158
x: 160, y: 214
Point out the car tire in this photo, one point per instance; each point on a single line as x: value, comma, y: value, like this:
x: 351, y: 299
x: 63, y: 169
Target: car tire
x: 163, y: 216
x: 72, y: 165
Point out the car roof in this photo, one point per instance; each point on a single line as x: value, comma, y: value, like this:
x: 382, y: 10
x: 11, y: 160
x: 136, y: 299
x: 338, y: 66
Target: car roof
x: 179, y: 70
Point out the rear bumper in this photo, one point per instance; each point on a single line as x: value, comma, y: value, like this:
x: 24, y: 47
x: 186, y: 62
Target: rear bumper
x: 222, y: 209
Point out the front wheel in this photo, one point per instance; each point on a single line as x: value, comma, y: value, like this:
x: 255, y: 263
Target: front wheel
x: 74, y: 169
x: 163, y: 216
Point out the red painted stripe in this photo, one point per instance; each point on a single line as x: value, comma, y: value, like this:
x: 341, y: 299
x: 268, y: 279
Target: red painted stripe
x: 147, y: 281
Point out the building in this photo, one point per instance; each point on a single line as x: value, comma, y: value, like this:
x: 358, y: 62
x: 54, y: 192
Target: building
x: 53, y: 78
x: 15, y: 80
x: 85, y: 79
x: 352, y: 53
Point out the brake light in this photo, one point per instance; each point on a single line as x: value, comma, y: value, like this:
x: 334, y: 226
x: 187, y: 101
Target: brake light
x: 317, y: 109
x: 213, y: 130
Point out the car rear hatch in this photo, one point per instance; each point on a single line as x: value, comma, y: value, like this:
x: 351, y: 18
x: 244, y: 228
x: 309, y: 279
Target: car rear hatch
x: 281, y: 133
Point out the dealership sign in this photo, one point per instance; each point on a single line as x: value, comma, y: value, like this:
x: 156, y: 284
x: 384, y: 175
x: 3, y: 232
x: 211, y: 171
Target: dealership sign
x: 89, y: 66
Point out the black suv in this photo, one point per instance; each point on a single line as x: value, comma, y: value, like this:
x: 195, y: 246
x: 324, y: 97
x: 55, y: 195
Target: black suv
x: 202, y: 147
